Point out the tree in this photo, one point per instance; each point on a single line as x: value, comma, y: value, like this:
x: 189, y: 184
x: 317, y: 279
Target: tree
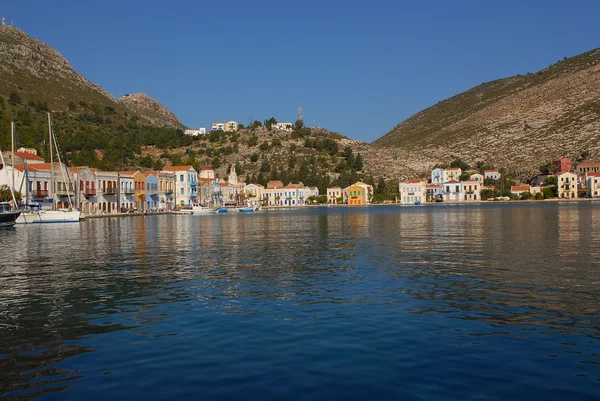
x: 254, y: 157
x: 546, y: 168
x: 358, y: 162
x: 256, y: 124
x: 239, y: 169
x: 265, y: 166
x: 261, y: 179
x: 14, y: 98
x: 6, y: 195
x: 271, y: 121
x: 253, y: 141
x: 459, y: 163
x: 299, y: 124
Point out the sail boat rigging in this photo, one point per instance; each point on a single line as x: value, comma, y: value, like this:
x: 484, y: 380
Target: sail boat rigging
x: 55, y: 215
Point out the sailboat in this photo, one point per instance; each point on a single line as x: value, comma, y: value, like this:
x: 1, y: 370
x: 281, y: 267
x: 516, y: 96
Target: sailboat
x: 55, y: 215
x: 8, y: 212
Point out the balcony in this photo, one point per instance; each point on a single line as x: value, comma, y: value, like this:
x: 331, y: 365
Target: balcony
x: 110, y: 191
x: 89, y: 192
x: 40, y: 193
x: 169, y: 192
x: 128, y: 191
x: 63, y: 192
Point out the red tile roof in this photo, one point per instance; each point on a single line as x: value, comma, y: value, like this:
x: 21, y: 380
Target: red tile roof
x: 593, y: 174
x: 414, y: 181
x: 177, y: 168
x: 25, y: 155
x: 589, y: 164
x: 38, y: 166
x: 490, y: 171
x: 520, y: 188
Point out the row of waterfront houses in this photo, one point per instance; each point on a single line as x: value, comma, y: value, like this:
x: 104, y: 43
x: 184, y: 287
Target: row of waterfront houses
x: 445, y: 184
x: 95, y: 191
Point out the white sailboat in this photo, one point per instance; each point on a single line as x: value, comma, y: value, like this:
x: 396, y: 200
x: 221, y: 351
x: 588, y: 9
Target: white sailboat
x: 68, y: 215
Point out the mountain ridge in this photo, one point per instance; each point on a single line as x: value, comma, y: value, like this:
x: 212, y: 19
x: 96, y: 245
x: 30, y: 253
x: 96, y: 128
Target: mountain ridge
x: 517, y: 122
x: 35, y: 70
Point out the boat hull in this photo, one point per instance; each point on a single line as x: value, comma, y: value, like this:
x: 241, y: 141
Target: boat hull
x: 8, y: 219
x: 49, y: 216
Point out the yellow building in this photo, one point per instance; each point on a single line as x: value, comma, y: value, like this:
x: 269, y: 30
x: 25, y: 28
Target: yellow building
x: 357, y: 195
x: 230, y: 126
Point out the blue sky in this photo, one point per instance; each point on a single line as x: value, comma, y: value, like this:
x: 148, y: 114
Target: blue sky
x: 356, y: 67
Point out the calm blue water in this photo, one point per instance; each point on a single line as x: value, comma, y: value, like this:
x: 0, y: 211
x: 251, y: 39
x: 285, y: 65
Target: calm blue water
x: 489, y: 302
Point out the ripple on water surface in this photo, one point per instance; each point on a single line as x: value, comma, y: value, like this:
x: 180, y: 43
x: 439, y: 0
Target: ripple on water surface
x: 478, y: 302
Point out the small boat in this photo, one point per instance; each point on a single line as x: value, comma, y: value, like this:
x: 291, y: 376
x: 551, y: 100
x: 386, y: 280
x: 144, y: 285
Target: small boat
x: 418, y: 202
x: 247, y: 209
x: 8, y: 215
x: 222, y: 210
x: 199, y: 209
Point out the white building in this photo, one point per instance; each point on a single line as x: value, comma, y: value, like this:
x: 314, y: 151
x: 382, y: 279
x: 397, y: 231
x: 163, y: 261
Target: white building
x: 85, y: 189
x: 283, y: 126
x: 195, y: 132
x: 471, y: 190
x: 333, y: 194
x: 593, y: 184
x: 206, y: 172
x: 452, y: 191
x: 253, y: 193
x: 152, y: 199
x: 492, y: 174
x: 107, y: 192
x: 435, y: 191
x: 413, y: 192
x: 291, y: 195
x: 567, y: 185
x: 186, y: 185
x: 126, y: 187
x: 437, y: 176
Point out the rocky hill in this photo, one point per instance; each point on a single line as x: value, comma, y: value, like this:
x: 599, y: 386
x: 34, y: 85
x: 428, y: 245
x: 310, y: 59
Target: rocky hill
x: 518, y: 122
x: 34, y: 70
x: 151, y: 110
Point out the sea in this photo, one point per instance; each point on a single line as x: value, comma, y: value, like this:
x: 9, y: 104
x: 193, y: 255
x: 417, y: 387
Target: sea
x: 494, y: 301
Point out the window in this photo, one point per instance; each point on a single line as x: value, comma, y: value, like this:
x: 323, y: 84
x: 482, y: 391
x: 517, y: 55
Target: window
x: 181, y: 191
x: 181, y: 178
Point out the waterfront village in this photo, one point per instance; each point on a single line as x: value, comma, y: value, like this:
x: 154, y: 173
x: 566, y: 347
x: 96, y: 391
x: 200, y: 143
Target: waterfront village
x: 96, y: 192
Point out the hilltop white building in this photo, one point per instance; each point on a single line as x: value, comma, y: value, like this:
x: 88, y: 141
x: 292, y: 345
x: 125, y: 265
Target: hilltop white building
x: 195, y: 132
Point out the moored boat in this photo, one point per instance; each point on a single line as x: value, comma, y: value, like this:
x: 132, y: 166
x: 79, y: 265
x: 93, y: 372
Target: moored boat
x: 8, y: 215
x: 49, y: 216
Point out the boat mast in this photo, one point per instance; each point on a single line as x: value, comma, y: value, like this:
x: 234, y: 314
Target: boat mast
x: 12, y: 192
x: 51, y: 164
x: 66, y: 178
x: 12, y: 154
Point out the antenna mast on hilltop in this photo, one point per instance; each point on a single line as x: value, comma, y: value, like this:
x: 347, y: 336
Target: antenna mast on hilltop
x: 300, y: 113
x: 3, y: 19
